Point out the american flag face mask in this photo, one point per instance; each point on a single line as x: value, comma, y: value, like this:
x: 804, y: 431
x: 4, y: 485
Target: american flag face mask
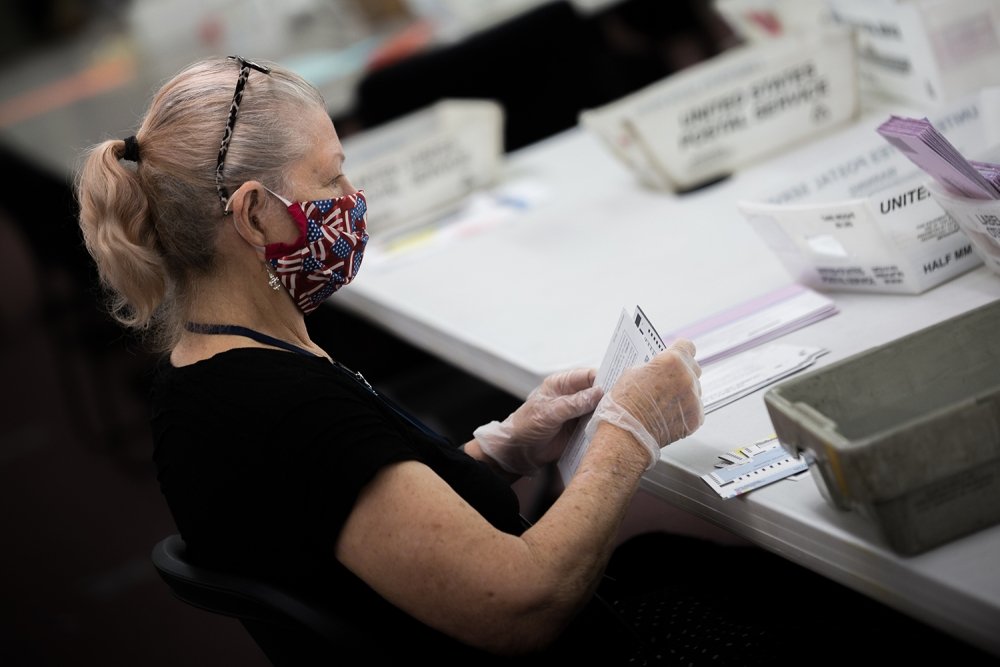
x: 328, y: 252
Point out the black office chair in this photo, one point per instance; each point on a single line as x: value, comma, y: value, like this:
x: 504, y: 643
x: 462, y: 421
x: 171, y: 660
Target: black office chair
x: 289, y: 629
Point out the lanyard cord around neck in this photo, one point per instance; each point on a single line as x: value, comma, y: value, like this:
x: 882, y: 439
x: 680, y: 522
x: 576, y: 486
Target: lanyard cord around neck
x: 246, y: 332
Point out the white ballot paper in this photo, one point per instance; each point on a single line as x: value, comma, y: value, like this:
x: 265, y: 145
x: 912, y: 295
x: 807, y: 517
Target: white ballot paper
x: 634, y: 342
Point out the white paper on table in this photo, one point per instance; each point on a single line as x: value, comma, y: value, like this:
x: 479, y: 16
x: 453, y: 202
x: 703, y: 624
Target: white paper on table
x: 898, y: 242
x: 730, y: 379
x: 755, y: 322
x: 852, y: 213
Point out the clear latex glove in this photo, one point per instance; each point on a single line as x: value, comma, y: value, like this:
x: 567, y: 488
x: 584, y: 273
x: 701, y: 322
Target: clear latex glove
x: 658, y: 402
x: 537, y: 432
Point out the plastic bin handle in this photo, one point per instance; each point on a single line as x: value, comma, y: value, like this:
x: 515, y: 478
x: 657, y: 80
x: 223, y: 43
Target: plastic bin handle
x: 809, y: 413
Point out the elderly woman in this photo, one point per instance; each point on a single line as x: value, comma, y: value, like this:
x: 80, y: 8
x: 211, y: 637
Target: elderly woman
x: 217, y: 228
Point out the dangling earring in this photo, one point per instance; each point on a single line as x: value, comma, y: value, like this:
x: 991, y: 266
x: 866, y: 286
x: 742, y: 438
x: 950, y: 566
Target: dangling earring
x: 272, y: 280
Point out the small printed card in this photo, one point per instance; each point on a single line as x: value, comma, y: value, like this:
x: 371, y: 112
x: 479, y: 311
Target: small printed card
x: 752, y: 467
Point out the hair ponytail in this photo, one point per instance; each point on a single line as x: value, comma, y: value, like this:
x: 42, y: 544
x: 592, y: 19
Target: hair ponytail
x: 119, y: 234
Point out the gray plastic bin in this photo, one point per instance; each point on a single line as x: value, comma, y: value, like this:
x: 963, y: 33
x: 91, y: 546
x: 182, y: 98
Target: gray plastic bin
x: 907, y: 433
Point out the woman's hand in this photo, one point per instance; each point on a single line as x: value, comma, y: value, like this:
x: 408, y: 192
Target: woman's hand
x: 658, y: 402
x: 537, y: 432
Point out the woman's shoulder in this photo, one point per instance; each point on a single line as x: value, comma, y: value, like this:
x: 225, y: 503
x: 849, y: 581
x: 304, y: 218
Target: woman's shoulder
x: 253, y: 366
x: 241, y: 358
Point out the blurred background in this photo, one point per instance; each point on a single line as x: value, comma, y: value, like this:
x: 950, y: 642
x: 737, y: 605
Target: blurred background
x: 79, y: 504
x: 80, y: 509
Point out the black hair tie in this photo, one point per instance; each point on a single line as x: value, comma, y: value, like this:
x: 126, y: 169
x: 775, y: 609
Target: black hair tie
x: 131, y: 149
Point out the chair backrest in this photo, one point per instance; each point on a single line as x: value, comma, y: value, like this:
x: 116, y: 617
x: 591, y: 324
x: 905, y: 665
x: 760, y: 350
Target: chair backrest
x: 283, y: 624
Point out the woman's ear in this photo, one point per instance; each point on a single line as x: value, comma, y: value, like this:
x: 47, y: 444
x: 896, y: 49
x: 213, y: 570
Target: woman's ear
x: 245, y: 207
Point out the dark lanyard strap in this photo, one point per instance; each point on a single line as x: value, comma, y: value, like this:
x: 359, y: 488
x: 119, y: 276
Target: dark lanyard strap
x: 237, y: 330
